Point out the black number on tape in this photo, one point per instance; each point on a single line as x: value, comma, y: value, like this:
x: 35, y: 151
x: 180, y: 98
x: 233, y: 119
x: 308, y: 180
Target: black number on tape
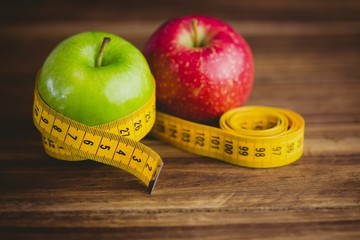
x: 136, y: 159
x: 148, y: 167
x: 243, y: 150
x: 290, y: 147
x: 49, y: 142
x: 185, y: 135
x: 259, y: 152
x: 125, y: 132
x: 73, y: 137
x: 147, y: 117
x: 228, y: 147
x: 44, y: 120
x: 121, y: 153
x: 160, y: 126
x: 215, y: 142
x: 36, y: 110
x: 173, y: 131
x: 57, y: 128
x: 137, y: 125
x: 277, y: 150
x: 88, y: 142
x: 105, y: 147
x: 199, y: 140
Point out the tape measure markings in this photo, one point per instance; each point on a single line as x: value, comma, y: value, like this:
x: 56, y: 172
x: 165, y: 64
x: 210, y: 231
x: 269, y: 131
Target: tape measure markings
x: 114, y: 144
x: 263, y: 136
x: 258, y: 137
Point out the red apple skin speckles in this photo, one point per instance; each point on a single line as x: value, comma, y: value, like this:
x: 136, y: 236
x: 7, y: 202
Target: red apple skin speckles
x: 199, y: 83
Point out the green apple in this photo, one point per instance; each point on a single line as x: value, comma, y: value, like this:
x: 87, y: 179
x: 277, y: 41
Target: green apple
x: 95, y: 78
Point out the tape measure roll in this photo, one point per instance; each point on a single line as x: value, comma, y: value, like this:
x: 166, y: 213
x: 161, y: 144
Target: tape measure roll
x: 252, y: 136
x: 115, y: 143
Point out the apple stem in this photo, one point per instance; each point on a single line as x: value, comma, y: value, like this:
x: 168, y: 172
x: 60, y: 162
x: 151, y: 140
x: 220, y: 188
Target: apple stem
x: 196, y: 37
x: 101, y: 51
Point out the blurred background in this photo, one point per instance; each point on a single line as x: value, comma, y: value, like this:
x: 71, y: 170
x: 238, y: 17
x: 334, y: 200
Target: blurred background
x: 276, y: 31
x: 30, y: 29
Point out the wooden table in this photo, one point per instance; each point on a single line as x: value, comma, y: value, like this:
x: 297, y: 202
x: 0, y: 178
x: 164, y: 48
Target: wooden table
x: 307, y: 57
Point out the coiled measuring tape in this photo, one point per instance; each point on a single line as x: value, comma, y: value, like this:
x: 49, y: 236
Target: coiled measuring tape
x: 115, y: 143
x: 252, y: 136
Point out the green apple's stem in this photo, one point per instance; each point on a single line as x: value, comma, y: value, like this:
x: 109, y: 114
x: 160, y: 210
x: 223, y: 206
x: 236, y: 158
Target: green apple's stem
x: 196, y: 37
x: 101, y: 52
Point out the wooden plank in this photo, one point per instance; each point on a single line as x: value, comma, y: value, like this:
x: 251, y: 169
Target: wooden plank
x: 307, y: 59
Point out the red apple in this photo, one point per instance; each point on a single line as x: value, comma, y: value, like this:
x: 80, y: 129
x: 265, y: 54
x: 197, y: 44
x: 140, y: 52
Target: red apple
x: 202, y: 67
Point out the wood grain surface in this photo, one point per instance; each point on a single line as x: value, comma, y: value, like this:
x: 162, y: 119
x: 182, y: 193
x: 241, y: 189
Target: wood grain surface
x: 307, y: 58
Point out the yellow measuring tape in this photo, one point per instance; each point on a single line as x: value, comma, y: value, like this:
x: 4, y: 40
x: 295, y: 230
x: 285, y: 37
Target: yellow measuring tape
x: 253, y: 136
x: 114, y: 143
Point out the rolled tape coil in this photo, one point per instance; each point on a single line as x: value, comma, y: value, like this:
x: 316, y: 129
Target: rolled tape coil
x: 251, y: 136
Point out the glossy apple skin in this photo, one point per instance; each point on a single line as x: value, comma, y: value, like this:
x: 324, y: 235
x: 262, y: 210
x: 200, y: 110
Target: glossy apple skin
x: 70, y: 83
x: 199, y: 84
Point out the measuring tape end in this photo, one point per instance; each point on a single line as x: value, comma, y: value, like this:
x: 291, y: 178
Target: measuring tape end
x: 153, y: 182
